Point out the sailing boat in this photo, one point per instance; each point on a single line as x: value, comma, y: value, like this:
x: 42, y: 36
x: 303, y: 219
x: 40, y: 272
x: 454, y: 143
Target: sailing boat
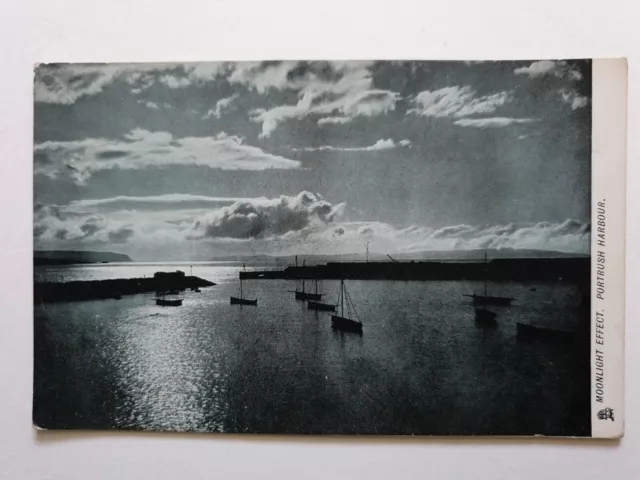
x: 241, y: 300
x: 314, y: 305
x: 327, y: 307
x: 304, y: 295
x: 488, y: 299
x: 340, y: 322
x: 165, y: 302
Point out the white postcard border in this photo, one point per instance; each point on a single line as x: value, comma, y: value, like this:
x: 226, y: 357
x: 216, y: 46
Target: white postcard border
x: 609, y: 143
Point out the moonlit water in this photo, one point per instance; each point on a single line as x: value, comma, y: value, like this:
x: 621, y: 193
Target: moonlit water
x: 422, y: 365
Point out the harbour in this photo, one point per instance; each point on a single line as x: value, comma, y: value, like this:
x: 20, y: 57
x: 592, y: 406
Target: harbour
x: 568, y: 270
x: 223, y: 367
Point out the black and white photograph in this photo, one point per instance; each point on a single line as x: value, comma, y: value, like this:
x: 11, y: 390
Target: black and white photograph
x: 314, y: 247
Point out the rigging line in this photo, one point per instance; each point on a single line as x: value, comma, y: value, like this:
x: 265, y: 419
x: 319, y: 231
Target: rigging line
x: 353, y: 306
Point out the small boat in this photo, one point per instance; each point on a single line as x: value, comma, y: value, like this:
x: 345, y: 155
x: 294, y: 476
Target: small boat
x: 340, y: 322
x: 485, y: 316
x: 241, y: 300
x: 524, y: 331
x: 163, y: 302
x: 321, y: 306
x: 117, y: 296
x: 196, y: 290
x: 488, y: 299
x: 304, y: 295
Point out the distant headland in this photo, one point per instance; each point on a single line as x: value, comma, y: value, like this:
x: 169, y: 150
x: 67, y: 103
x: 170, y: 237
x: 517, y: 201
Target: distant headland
x: 66, y: 257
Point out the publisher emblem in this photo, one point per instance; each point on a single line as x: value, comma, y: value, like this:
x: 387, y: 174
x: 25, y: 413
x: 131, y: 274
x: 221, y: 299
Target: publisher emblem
x: 606, y: 414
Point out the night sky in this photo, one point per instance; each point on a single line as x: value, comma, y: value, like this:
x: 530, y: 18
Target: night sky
x: 194, y: 161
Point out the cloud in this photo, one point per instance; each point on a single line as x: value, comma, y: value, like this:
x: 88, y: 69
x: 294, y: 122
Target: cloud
x: 557, y: 68
x: 173, y: 81
x: 221, y: 105
x: 492, y: 122
x: 159, y: 234
x: 334, y: 120
x: 189, y: 74
x: 336, y: 89
x: 54, y: 224
x: 121, y: 235
x: 265, y: 217
x: 573, y: 98
x: 173, y: 201
x: 148, y: 104
x: 570, y: 236
x: 382, y: 144
x: 143, y: 149
x: 262, y: 76
x: 304, y: 223
x: 66, y: 83
x: 208, y: 71
x: 456, y: 102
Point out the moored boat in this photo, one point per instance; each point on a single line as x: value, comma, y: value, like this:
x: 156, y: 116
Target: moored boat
x: 345, y: 324
x: 321, y: 306
x: 241, y: 300
x: 308, y: 296
x: 488, y: 299
x: 340, y: 322
x: 484, y: 316
x: 305, y: 295
x: 164, y: 302
x: 525, y: 331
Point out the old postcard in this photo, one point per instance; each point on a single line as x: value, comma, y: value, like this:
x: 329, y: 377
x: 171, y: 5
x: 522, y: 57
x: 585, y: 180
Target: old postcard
x: 331, y: 247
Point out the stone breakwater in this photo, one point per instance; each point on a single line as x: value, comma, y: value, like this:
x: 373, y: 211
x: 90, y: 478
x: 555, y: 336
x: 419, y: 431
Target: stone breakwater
x: 105, y: 289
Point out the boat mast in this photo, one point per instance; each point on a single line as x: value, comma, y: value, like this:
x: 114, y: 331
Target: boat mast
x: 485, y: 273
x: 244, y: 268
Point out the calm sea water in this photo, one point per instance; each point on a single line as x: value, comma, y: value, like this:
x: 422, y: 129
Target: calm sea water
x: 422, y: 365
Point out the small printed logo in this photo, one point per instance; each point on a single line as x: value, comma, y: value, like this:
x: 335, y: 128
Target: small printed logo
x: 606, y: 414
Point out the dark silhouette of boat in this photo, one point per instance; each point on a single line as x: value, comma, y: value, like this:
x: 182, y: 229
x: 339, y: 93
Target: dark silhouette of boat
x: 340, y: 322
x: 485, y: 299
x: 524, y: 331
x: 489, y: 299
x: 241, y: 300
x: 321, y: 306
x: 171, y: 292
x: 163, y: 302
x: 304, y: 295
x: 485, y: 317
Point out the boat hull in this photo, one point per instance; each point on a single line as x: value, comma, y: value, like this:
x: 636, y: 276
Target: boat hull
x: 490, y: 300
x: 242, y: 301
x: 525, y: 332
x: 486, y: 317
x: 321, y: 306
x: 168, y: 303
x: 345, y: 324
x: 308, y: 296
